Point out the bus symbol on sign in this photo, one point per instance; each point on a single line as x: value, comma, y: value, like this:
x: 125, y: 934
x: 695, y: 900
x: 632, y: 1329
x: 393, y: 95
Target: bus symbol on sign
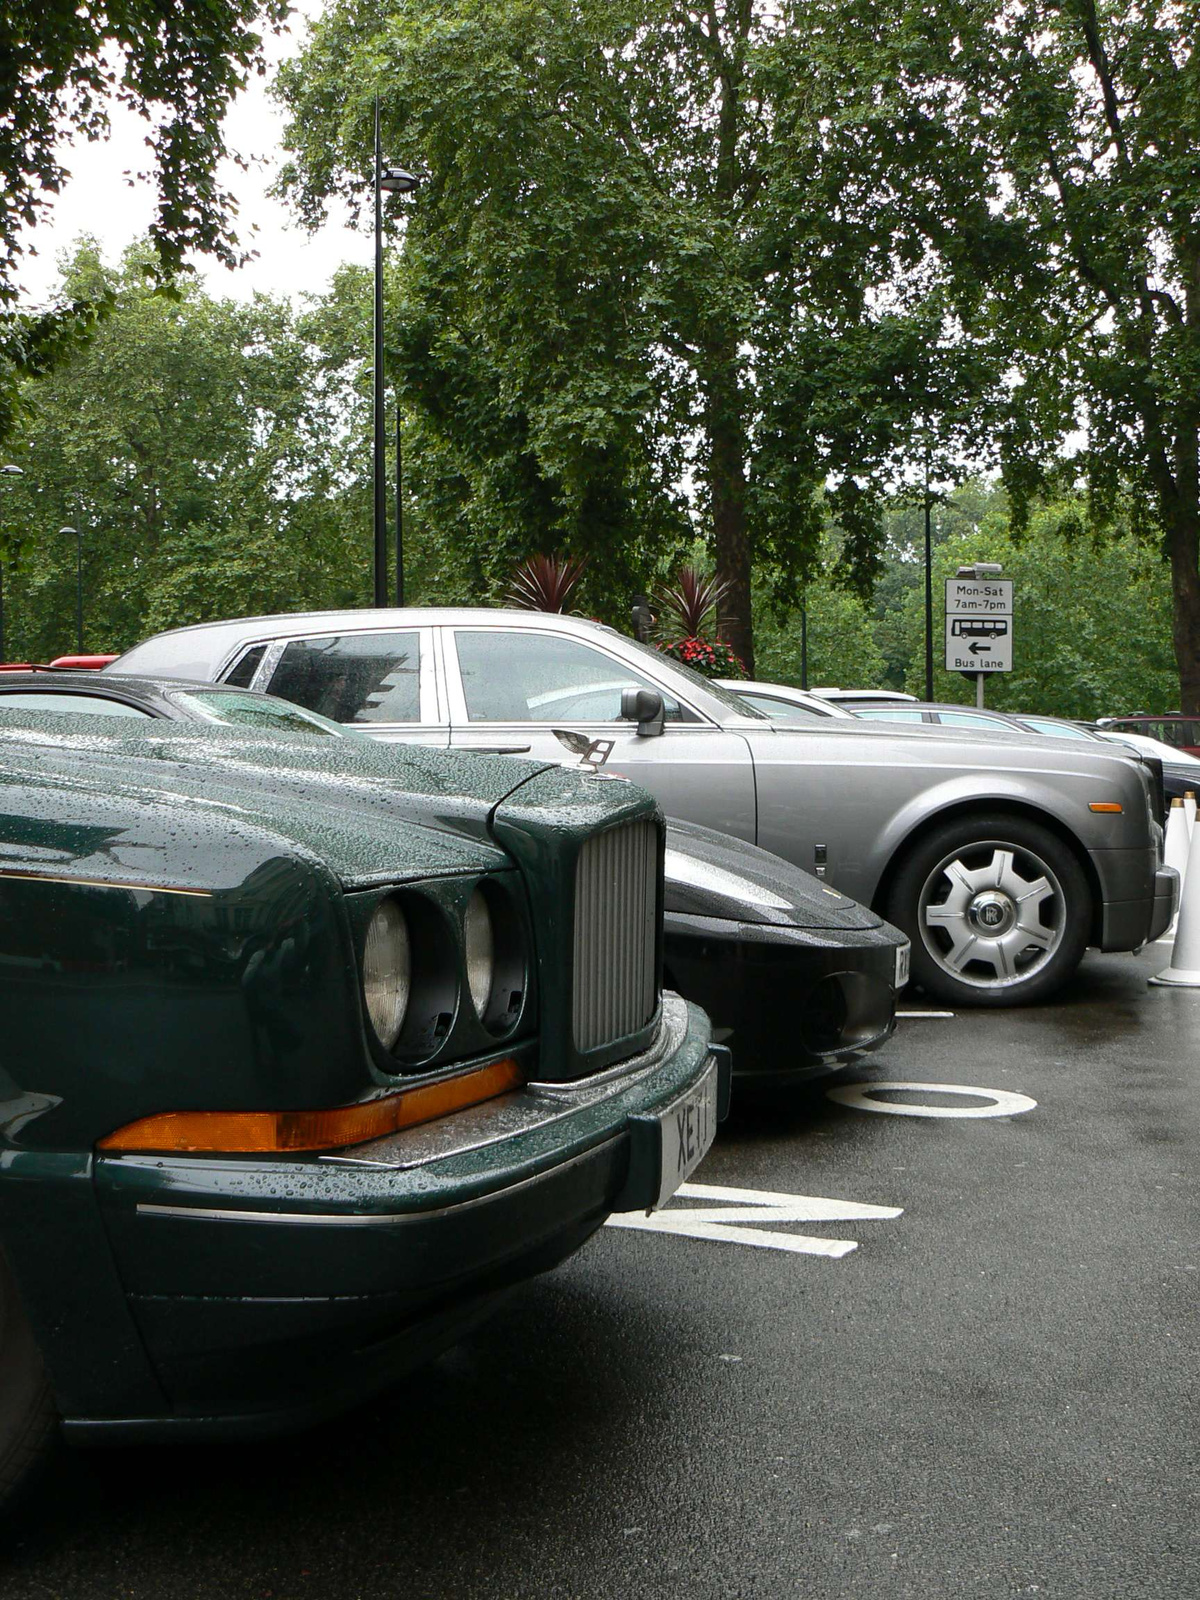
x: 978, y: 627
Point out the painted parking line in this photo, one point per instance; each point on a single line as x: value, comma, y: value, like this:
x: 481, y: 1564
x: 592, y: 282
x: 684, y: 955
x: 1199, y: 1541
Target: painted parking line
x: 738, y: 1220
x: 911, y: 1016
x: 862, y: 1096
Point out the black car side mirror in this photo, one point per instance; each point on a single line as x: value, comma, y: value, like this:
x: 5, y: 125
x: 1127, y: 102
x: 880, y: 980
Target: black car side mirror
x: 645, y: 707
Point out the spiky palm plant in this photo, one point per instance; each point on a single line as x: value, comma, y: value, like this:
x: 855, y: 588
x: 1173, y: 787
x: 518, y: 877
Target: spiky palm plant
x: 546, y: 583
x: 682, y: 607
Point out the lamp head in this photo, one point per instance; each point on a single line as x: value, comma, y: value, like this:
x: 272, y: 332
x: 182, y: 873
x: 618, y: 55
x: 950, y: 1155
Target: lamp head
x: 396, y: 180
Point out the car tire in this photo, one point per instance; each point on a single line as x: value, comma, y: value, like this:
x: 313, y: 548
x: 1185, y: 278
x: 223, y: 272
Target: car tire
x: 998, y: 910
x: 28, y: 1420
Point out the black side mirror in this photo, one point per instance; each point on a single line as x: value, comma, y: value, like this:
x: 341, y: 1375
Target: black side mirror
x: 645, y: 707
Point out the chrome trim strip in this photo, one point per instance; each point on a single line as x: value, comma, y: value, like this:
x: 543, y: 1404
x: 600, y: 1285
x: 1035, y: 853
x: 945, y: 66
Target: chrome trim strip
x: 334, y: 1219
x: 105, y: 883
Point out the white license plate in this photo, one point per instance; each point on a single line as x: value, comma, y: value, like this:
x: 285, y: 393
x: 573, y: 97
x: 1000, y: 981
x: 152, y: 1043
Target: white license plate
x: 688, y: 1129
x: 902, y: 954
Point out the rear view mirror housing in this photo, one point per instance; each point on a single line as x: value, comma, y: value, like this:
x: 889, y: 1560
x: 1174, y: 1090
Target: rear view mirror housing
x: 645, y: 707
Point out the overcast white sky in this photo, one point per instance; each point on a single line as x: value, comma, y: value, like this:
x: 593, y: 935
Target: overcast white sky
x: 98, y: 200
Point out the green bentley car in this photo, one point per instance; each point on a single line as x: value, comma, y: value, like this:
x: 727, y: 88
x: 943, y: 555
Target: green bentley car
x: 302, y: 1066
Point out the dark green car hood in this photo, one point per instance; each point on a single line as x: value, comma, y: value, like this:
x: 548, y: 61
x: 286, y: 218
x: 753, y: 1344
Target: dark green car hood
x: 195, y: 789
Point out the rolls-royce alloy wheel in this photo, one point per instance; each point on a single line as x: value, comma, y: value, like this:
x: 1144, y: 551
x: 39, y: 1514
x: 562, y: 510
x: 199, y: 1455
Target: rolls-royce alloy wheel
x: 998, y: 910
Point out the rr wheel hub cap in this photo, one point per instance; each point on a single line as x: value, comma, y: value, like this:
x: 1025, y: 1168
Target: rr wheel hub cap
x: 991, y: 914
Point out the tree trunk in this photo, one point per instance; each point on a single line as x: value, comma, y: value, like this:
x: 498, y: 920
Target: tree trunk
x: 725, y: 423
x: 727, y: 490
x: 1185, y: 621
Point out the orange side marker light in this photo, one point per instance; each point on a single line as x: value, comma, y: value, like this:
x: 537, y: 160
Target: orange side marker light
x: 278, y: 1132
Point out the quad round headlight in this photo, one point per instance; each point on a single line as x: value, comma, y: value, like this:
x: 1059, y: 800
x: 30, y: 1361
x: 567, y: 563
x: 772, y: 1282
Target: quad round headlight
x: 387, y: 971
x: 480, y: 948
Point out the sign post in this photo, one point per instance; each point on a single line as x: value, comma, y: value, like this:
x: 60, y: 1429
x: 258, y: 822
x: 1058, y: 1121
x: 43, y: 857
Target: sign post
x: 979, y: 627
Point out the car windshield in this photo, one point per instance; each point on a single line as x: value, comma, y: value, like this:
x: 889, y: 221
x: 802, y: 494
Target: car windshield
x: 233, y: 706
x: 780, y: 710
x: 731, y: 702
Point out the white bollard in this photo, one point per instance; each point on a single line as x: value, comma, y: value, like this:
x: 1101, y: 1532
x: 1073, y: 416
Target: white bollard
x: 1189, y: 809
x: 1184, y: 970
x: 1176, y: 848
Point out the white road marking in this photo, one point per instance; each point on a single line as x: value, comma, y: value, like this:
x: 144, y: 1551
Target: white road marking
x: 911, y: 1014
x: 731, y: 1224
x: 1002, y: 1103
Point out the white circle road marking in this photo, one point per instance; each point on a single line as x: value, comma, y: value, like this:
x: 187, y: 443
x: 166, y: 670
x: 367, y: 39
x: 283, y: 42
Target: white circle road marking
x: 861, y: 1096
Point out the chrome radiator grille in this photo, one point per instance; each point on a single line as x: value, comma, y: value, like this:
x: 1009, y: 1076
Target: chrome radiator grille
x: 616, y: 922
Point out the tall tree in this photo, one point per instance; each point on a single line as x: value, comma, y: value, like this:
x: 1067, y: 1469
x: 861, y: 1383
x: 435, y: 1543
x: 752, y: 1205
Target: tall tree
x: 638, y: 266
x: 1075, y: 125
x: 195, y: 445
x: 62, y: 66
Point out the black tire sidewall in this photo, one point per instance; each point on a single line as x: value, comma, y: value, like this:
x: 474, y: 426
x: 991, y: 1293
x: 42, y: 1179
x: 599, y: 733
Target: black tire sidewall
x: 27, y: 1415
x: 923, y: 856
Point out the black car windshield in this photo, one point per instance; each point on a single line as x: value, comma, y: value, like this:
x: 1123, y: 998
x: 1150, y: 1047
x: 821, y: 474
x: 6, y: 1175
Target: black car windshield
x: 254, y: 711
x: 731, y: 702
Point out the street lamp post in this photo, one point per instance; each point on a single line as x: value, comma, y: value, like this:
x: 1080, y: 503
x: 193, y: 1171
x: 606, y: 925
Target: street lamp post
x: 5, y: 472
x: 78, y: 587
x: 928, y: 499
x: 390, y: 180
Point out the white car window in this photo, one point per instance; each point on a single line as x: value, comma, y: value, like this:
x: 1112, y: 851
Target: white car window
x: 781, y: 710
x: 510, y: 676
x: 1059, y: 730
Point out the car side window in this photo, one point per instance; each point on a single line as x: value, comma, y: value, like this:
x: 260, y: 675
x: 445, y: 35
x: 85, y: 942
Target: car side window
x: 242, y: 674
x: 70, y: 704
x: 353, y: 677
x: 890, y: 714
x: 510, y: 676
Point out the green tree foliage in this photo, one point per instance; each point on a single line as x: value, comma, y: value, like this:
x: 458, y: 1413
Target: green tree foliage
x: 62, y: 66
x: 1092, y: 615
x: 842, y: 647
x: 1052, y: 153
x: 639, y: 262
x: 195, y: 445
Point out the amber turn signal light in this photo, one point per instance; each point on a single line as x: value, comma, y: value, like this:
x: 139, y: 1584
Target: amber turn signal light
x: 1106, y: 805
x: 279, y: 1132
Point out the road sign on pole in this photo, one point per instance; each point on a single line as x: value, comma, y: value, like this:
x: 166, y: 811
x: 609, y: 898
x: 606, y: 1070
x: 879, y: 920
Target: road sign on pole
x: 979, y: 625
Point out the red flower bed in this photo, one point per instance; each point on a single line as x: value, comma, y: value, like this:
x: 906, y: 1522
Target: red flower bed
x: 714, y: 659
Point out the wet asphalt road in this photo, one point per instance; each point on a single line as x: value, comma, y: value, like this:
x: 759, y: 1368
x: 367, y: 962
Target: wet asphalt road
x: 994, y: 1395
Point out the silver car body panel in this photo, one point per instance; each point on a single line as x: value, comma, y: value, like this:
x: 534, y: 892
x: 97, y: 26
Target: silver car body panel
x: 854, y: 790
